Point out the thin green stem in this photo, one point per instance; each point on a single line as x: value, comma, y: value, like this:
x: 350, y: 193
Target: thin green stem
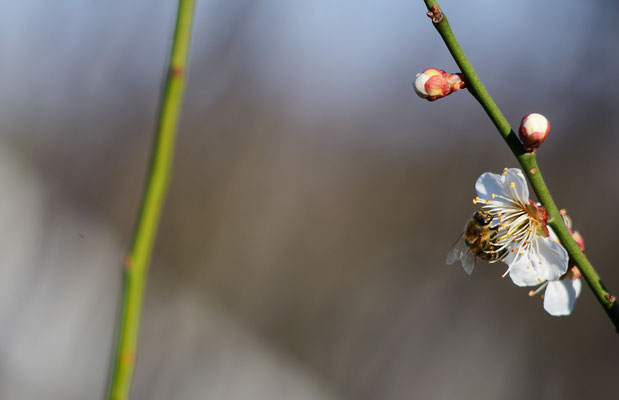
x: 153, y: 198
x: 529, y: 164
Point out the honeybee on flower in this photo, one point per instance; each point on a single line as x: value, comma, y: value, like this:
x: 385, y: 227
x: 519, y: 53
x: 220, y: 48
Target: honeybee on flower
x: 522, y: 237
x: 477, y: 240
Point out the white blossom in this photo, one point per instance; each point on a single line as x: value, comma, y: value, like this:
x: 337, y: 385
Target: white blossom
x: 523, y: 239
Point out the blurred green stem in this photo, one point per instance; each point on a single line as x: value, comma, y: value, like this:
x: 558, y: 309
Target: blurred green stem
x: 138, y: 258
x: 527, y: 161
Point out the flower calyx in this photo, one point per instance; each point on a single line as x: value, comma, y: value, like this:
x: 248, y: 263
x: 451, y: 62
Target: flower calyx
x: 538, y: 218
x: 433, y: 84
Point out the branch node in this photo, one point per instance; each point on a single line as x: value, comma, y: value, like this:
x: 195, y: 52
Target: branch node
x: 436, y: 15
x: 128, y: 261
x: 177, y: 71
x: 610, y: 298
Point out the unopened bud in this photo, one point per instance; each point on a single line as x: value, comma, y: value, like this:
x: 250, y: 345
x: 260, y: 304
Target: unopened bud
x: 579, y: 240
x: 434, y: 83
x: 573, y: 273
x: 534, y: 129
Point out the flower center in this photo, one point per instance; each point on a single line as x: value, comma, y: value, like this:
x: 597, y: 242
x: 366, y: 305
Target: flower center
x: 518, y: 222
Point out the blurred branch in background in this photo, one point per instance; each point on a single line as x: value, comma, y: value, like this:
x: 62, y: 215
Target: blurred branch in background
x: 137, y: 260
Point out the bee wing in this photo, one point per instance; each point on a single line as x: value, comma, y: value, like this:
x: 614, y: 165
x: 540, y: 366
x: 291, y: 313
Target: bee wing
x: 468, y: 262
x: 460, y: 251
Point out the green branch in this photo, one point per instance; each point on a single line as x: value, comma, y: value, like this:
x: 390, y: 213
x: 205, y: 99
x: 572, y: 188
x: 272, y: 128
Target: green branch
x: 138, y: 258
x: 527, y: 161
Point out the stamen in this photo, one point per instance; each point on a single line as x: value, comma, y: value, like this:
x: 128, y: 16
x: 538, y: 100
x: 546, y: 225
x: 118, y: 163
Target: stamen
x: 509, y: 200
x: 539, y: 289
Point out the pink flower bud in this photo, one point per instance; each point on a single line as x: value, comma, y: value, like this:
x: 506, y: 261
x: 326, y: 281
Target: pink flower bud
x: 534, y: 129
x: 573, y: 273
x: 579, y: 240
x: 432, y: 84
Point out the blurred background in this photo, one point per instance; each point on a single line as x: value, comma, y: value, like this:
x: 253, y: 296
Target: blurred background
x: 314, y: 198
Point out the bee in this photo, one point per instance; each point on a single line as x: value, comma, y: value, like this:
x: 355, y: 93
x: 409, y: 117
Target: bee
x: 477, y: 240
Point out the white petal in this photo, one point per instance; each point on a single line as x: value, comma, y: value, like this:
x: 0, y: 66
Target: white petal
x: 522, y: 273
x: 561, y: 295
x: 516, y: 176
x: 552, y: 234
x: 419, y: 85
x: 500, y: 184
x: 549, y: 258
x: 489, y: 183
